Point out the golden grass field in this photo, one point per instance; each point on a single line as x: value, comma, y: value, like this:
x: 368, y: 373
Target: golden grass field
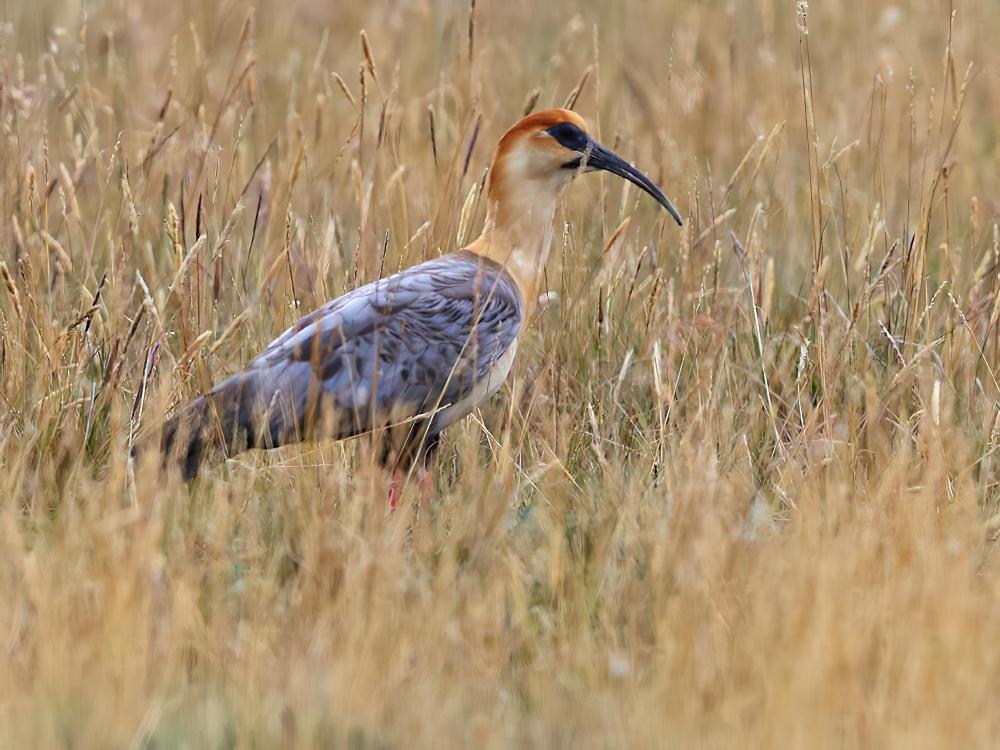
x: 742, y: 489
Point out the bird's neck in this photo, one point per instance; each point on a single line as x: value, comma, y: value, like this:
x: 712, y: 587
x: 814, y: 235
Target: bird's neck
x: 518, y: 233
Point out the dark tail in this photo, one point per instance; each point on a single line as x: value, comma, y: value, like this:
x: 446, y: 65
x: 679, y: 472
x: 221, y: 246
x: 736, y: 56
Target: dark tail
x: 257, y: 408
x: 191, y: 436
x: 246, y: 411
x: 211, y: 427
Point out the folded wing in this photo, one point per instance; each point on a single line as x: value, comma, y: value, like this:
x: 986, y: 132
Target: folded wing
x: 402, y: 350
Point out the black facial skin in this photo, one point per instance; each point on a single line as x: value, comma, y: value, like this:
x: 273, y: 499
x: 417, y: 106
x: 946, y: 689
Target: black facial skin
x: 597, y: 157
x: 569, y: 136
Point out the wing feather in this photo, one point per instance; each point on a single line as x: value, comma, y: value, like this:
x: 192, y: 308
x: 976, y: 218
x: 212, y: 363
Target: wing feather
x: 412, y: 343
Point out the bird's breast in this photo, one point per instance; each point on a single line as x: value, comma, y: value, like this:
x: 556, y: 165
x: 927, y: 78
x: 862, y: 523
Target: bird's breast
x: 483, y: 388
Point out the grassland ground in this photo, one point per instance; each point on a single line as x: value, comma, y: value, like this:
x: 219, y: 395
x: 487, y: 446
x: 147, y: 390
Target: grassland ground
x: 741, y: 488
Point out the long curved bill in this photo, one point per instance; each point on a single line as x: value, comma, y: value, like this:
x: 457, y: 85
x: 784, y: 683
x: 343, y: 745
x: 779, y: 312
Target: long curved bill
x: 598, y: 157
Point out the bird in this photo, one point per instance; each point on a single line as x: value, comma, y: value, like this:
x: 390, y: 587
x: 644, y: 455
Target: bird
x: 408, y: 355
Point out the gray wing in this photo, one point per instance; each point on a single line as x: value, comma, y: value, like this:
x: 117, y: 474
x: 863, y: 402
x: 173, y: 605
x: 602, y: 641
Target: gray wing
x: 407, y: 345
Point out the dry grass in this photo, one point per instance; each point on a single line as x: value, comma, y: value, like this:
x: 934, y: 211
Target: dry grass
x: 741, y: 489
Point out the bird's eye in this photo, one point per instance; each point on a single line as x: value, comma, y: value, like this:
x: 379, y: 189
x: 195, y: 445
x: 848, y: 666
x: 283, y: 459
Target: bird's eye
x: 569, y: 136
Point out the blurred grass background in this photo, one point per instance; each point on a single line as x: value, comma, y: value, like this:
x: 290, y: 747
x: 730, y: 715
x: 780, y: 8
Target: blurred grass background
x: 742, y: 488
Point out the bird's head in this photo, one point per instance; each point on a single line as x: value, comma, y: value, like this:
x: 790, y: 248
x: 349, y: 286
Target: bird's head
x: 546, y: 150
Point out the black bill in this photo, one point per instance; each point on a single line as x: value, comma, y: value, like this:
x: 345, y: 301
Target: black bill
x: 598, y: 157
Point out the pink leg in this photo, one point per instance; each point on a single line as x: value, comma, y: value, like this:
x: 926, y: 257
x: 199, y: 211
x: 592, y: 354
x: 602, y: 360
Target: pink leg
x: 395, y: 490
x: 425, y: 481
